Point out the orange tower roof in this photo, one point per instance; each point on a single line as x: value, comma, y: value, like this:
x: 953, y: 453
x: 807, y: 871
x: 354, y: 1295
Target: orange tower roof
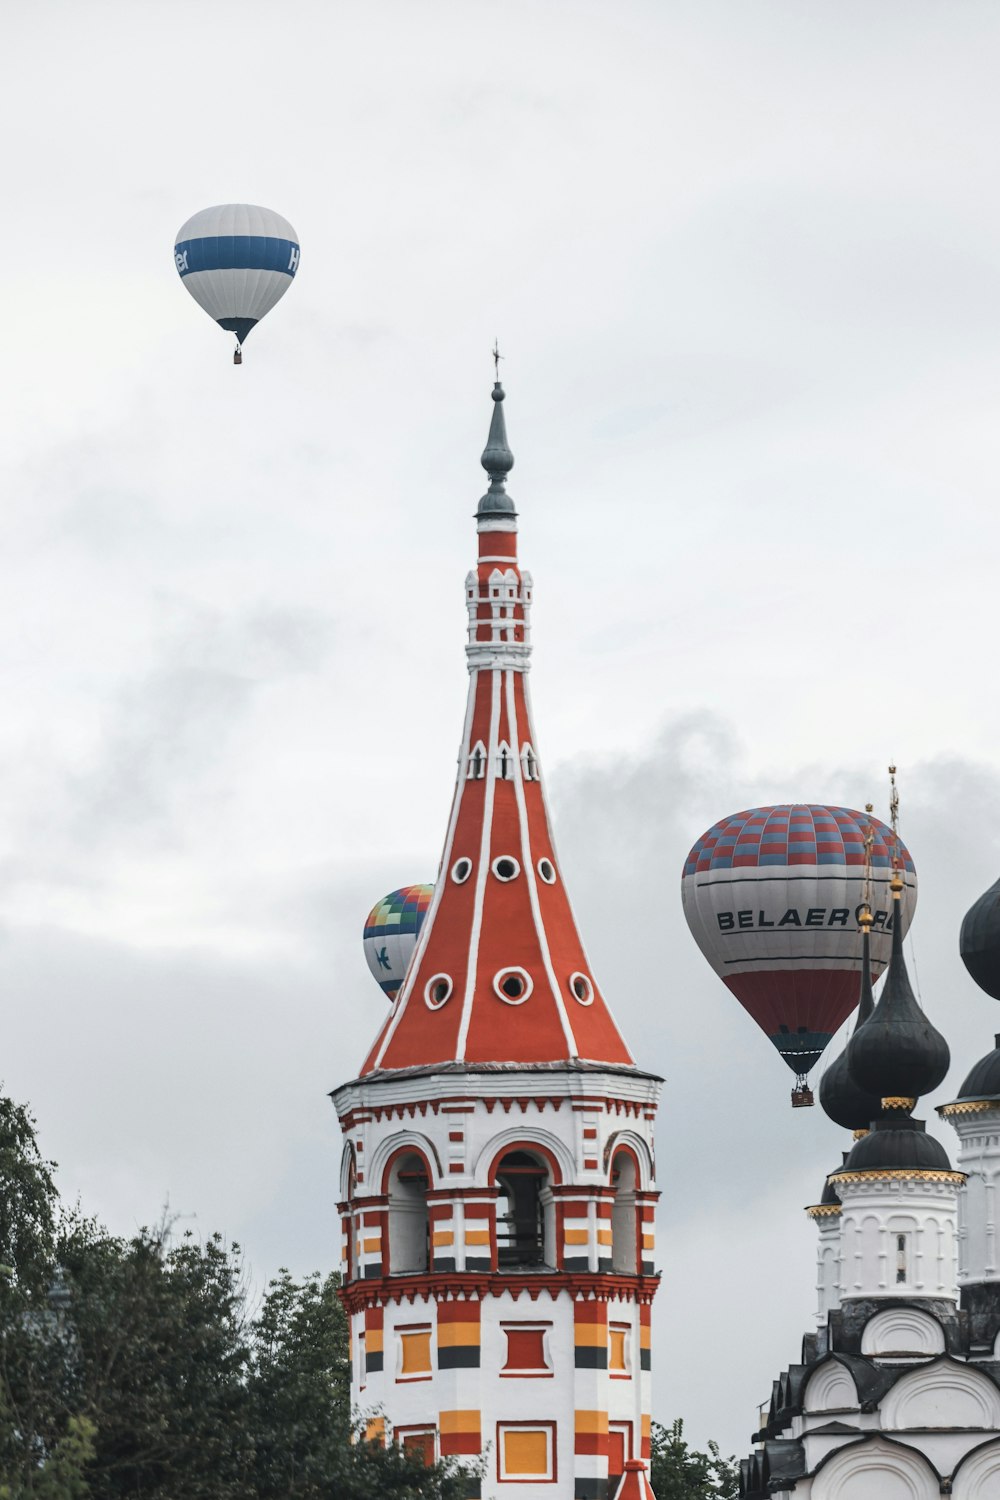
x: 499, y: 974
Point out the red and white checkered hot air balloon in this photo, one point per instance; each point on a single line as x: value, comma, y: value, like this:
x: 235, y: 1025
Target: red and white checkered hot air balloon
x: 771, y: 896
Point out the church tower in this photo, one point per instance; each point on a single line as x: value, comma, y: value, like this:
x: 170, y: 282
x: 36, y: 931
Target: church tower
x: 498, y: 1168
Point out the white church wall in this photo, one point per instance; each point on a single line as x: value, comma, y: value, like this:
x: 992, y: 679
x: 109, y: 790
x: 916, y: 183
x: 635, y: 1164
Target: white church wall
x: 978, y: 1477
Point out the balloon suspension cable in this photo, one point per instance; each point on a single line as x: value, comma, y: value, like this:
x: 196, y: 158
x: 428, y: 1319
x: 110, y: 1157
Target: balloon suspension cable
x: 802, y: 1094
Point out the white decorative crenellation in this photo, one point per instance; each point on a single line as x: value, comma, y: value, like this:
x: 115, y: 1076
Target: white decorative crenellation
x: 507, y: 595
x: 898, y: 1235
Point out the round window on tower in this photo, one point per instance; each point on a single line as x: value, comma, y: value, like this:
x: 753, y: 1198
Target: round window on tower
x: 512, y: 986
x: 437, y: 991
x: 505, y: 867
x: 547, y: 871
x: 581, y: 988
x: 461, y: 870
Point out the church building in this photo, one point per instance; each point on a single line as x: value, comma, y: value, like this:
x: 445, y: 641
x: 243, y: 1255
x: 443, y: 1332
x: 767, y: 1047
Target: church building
x: 497, y: 1181
x: 896, y: 1395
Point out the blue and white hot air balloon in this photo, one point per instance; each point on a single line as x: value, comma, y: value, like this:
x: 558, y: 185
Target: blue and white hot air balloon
x: 237, y: 261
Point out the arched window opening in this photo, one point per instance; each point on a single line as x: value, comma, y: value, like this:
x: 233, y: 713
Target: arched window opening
x: 529, y: 765
x: 477, y: 762
x: 624, y: 1216
x: 409, y: 1218
x: 525, y: 1211
x: 505, y: 761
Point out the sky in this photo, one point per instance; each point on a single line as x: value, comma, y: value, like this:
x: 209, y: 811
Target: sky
x: 743, y: 261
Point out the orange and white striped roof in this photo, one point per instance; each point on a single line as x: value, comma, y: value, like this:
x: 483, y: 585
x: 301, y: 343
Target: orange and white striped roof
x: 499, y: 974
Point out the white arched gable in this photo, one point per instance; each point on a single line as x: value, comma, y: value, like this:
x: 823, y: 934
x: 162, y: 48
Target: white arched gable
x: 523, y: 1139
x: 831, y: 1388
x: 943, y: 1395
x: 978, y: 1474
x: 902, y: 1331
x: 401, y: 1140
x: 641, y: 1148
x: 876, y: 1470
x: 346, y: 1163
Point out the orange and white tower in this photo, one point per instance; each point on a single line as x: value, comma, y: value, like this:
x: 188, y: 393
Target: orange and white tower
x: 498, y: 1168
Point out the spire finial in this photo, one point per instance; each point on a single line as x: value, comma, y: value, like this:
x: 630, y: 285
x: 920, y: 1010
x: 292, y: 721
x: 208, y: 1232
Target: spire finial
x: 497, y: 357
x: 497, y: 458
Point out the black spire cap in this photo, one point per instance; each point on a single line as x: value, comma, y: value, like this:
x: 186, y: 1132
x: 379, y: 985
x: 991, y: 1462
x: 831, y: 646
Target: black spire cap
x: 897, y: 1054
x: 498, y: 461
x: 979, y: 943
x: 839, y: 1095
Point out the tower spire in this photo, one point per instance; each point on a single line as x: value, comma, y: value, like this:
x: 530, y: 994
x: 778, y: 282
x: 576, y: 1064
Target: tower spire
x: 497, y: 458
x: 499, y: 974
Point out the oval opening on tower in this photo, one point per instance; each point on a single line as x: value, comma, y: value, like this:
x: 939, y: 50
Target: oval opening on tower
x: 461, y: 870
x: 437, y: 990
x: 581, y: 988
x: 547, y: 871
x: 506, y: 867
x: 513, y: 985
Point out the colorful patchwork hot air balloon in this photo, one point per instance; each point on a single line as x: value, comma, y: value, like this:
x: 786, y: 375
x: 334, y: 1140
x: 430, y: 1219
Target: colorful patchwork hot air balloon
x: 237, y: 261
x: 391, y: 932
x: 771, y: 896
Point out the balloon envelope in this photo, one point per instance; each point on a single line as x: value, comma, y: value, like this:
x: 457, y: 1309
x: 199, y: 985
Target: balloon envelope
x: 237, y: 261
x: 771, y: 896
x: 391, y: 932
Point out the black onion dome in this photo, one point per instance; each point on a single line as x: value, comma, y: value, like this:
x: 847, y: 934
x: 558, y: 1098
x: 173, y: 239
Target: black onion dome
x: 983, y: 1081
x: 979, y: 942
x: 898, y: 1145
x: 897, y: 1053
x: 839, y: 1095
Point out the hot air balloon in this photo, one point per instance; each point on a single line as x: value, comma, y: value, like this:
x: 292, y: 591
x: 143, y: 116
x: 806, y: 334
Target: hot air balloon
x: 237, y: 261
x: 771, y: 896
x: 391, y: 930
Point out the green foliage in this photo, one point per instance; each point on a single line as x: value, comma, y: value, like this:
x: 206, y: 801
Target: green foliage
x: 678, y: 1472
x: 28, y: 1201
x: 132, y: 1369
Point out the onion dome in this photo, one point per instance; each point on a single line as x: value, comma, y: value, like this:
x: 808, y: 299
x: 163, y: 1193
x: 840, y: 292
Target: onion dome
x: 896, y: 1145
x: 983, y: 1082
x: 498, y: 461
x: 897, y: 1054
x: 843, y: 1101
x: 979, y: 943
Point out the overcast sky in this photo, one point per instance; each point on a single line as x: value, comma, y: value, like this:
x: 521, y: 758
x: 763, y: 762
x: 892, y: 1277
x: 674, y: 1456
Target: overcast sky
x: 743, y: 259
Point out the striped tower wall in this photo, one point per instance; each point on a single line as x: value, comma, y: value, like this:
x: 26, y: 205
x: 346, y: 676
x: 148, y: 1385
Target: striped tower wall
x: 433, y: 1348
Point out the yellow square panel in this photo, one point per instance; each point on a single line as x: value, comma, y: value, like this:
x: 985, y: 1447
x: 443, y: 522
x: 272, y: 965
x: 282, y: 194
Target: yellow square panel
x: 525, y: 1452
x: 416, y: 1352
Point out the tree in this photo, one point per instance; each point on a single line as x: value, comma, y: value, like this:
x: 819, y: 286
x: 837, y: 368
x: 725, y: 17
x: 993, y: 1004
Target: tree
x: 679, y: 1472
x: 28, y: 1200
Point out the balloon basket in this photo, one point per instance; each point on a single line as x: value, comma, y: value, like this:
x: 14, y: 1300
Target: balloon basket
x: 237, y: 356
x: 802, y: 1097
